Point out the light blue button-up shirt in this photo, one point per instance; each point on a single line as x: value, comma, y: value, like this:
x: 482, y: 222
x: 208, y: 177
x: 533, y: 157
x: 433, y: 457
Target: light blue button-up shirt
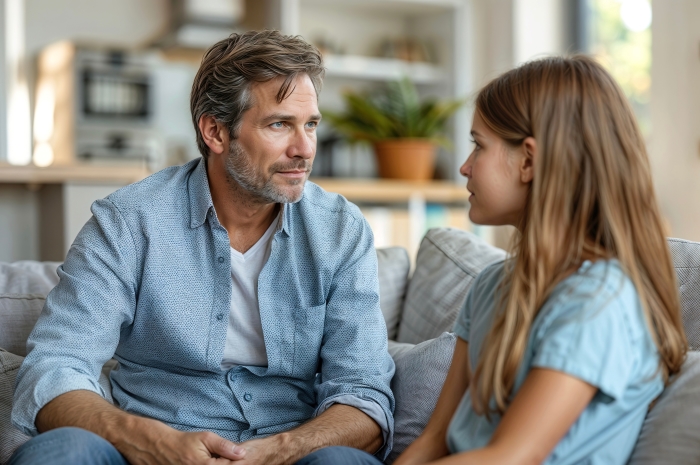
x: 148, y: 282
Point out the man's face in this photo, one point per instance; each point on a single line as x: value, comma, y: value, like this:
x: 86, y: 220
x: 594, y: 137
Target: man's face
x: 276, y: 144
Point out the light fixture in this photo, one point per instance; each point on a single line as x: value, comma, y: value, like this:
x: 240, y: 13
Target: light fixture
x: 43, y: 154
x: 44, y: 111
x: 43, y: 124
x: 19, y: 150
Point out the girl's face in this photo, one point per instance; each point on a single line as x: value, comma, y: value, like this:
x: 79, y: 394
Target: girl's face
x: 498, y: 177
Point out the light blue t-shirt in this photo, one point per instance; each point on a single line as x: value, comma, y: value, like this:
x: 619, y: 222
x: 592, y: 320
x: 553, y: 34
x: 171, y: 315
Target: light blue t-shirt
x: 591, y: 327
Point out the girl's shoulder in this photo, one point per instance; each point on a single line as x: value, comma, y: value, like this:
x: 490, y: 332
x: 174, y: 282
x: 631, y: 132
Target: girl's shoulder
x: 597, y: 282
x: 599, y: 294
x: 605, y: 271
x: 488, y: 281
x: 493, y: 272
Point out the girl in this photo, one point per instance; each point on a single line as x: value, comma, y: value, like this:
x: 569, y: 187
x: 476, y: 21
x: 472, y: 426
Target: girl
x: 562, y: 348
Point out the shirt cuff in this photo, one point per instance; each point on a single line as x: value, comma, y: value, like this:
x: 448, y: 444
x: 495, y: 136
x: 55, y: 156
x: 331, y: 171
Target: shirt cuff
x: 370, y: 408
x: 31, y: 395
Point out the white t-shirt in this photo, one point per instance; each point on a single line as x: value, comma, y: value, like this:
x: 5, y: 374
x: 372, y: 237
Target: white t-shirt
x: 245, y: 344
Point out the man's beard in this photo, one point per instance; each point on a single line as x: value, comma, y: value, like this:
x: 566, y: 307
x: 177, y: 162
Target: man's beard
x: 241, y: 171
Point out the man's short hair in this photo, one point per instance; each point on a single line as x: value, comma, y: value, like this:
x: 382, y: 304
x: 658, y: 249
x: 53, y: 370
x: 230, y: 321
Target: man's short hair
x: 221, y: 88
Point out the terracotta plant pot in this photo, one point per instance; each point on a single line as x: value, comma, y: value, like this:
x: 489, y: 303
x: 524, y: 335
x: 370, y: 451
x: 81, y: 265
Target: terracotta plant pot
x: 412, y: 159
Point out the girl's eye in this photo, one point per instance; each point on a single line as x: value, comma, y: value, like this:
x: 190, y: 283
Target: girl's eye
x: 476, y: 144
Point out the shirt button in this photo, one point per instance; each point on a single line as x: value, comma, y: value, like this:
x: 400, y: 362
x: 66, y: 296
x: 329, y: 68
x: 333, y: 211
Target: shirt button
x: 248, y: 397
x: 221, y: 259
x: 220, y: 316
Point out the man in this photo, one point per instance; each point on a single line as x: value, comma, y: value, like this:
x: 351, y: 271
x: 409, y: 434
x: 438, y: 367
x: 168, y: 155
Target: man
x: 240, y: 301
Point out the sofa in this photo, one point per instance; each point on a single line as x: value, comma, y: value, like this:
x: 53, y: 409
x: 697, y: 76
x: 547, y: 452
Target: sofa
x: 419, y: 310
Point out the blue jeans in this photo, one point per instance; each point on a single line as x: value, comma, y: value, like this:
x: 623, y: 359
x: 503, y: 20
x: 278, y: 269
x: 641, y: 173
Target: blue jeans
x: 69, y: 446
x: 338, y: 455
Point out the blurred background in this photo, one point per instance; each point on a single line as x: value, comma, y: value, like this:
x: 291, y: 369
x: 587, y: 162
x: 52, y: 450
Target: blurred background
x: 95, y: 95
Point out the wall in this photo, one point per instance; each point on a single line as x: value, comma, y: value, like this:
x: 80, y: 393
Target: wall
x: 675, y: 109
x: 538, y: 28
x: 492, y: 39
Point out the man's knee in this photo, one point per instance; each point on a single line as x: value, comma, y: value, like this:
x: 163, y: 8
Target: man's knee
x: 339, y: 455
x: 67, y: 446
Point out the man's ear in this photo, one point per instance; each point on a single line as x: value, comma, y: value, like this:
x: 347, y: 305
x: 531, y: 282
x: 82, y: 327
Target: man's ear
x: 214, y: 134
x: 527, y: 166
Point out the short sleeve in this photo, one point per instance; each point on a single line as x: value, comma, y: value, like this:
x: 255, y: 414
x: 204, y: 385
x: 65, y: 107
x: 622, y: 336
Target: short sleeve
x: 589, y: 338
x: 463, y: 322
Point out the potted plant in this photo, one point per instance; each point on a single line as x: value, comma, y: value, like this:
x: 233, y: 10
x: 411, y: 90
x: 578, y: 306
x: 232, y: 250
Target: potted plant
x: 404, y: 131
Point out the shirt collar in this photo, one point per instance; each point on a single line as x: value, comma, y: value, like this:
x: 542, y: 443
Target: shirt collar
x: 201, y: 203
x: 200, y: 195
x: 283, y: 224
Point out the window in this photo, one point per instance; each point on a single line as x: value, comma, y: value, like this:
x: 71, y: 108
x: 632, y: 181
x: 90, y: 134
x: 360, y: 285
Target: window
x: 619, y: 36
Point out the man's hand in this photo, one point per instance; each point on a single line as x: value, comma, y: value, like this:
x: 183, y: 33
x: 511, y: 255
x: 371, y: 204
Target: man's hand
x: 176, y: 447
x: 340, y: 425
x: 143, y: 441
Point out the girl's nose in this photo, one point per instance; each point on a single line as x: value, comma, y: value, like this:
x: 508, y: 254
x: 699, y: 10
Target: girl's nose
x: 466, y: 168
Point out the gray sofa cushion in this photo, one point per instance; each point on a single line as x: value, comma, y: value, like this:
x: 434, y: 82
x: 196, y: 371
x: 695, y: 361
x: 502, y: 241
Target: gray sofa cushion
x: 420, y: 373
x: 686, y: 260
x: 23, y: 289
x: 671, y: 431
x: 394, y: 265
x: 448, y: 261
x: 10, y: 438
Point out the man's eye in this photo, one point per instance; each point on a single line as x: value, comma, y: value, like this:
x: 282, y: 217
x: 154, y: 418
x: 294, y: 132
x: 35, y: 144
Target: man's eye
x: 312, y: 124
x: 277, y: 125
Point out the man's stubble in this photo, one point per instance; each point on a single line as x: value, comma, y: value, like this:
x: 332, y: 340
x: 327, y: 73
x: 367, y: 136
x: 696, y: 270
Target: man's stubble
x: 241, y: 173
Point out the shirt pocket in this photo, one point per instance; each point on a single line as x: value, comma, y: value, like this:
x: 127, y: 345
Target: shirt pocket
x: 309, y: 323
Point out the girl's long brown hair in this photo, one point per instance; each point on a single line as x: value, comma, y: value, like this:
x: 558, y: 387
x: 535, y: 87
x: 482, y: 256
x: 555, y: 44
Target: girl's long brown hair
x: 591, y: 197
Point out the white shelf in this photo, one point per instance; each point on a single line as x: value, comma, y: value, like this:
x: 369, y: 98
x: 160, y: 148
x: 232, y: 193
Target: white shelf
x: 401, y: 7
x: 382, y: 69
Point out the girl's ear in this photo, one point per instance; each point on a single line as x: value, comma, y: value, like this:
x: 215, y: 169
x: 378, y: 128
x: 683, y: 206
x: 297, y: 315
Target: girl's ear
x: 527, y: 165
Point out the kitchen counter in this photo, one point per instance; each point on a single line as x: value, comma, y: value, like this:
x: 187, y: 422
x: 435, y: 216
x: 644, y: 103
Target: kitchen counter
x: 60, y: 174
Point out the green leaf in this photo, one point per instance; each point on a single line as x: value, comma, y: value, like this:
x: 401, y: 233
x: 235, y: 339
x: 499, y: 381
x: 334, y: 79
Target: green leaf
x: 394, y: 112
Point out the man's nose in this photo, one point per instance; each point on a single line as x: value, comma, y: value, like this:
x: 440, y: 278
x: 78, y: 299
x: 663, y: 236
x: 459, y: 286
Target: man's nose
x: 303, y: 144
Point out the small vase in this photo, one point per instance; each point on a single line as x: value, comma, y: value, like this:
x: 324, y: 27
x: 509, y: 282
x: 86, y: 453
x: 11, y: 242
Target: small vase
x: 411, y: 159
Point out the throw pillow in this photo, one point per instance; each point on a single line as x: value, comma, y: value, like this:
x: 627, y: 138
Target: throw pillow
x: 671, y: 431
x: 686, y: 260
x: 398, y: 349
x: 448, y: 261
x: 393, y: 264
x: 10, y: 437
x: 420, y: 374
x: 23, y: 290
